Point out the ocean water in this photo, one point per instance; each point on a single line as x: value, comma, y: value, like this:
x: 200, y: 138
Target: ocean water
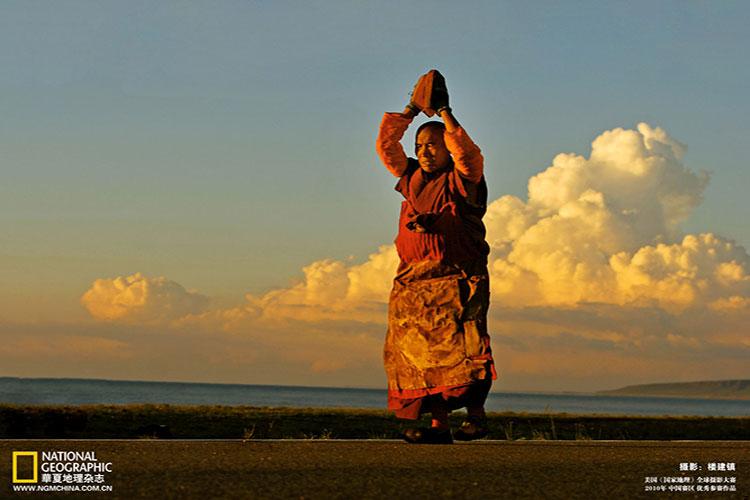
x: 91, y: 391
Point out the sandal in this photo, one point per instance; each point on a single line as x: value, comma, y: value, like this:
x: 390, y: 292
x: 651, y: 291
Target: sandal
x: 472, y: 428
x: 428, y: 435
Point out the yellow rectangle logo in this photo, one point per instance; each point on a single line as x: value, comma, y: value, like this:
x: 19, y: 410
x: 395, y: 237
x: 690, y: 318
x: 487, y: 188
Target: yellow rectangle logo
x: 35, y: 457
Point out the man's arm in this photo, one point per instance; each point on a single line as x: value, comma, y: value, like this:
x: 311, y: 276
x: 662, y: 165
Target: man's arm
x: 388, y: 144
x: 467, y: 157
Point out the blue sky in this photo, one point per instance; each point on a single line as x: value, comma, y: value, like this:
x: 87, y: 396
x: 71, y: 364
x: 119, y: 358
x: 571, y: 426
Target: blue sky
x: 227, y: 144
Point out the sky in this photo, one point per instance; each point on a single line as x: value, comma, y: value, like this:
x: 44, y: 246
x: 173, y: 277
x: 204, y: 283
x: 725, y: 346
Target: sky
x: 190, y: 190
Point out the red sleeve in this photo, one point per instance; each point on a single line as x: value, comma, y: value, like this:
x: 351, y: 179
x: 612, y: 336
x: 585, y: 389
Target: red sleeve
x: 467, y: 156
x: 388, y: 144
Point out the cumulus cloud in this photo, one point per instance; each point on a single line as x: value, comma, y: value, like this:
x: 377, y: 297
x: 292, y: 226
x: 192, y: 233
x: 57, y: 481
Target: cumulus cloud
x: 321, y: 328
x: 598, y: 229
x: 606, y: 229
x: 637, y: 174
x: 590, y: 275
x: 601, y: 229
x: 333, y: 290
x: 701, y: 269
x: 137, y: 298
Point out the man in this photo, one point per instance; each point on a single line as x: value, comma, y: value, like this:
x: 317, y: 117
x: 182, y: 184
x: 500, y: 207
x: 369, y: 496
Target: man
x: 437, y: 351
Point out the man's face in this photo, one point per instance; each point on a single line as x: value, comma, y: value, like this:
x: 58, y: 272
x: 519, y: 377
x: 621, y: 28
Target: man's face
x: 431, y: 152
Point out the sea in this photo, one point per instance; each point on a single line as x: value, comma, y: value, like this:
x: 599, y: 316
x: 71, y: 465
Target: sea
x: 70, y: 391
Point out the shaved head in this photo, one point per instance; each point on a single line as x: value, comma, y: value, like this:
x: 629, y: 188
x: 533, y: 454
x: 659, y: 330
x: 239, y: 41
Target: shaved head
x: 431, y: 125
x: 430, y: 148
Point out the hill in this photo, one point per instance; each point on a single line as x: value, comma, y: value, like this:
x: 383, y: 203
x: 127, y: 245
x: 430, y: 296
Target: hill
x: 711, y: 389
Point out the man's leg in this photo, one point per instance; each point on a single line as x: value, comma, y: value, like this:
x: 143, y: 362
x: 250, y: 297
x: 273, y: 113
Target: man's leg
x: 439, y: 432
x: 476, y: 397
x: 476, y: 410
x: 475, y: 425
x: 440, y: 414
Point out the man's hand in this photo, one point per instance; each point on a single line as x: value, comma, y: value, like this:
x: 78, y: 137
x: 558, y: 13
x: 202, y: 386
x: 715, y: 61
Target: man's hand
x: 430, y: 96
x: 411, y: 110
x: 439, y: 97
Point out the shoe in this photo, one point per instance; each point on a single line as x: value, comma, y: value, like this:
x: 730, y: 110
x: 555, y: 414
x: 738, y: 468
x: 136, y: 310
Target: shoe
x: 428, y: 435
x: 472, y: 428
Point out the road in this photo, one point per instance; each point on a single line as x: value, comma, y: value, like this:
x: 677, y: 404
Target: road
x: 326, y: 469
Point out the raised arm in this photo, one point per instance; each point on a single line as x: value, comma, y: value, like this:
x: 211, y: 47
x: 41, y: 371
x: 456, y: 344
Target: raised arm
x: 388, y: 144
x: 467, y: 157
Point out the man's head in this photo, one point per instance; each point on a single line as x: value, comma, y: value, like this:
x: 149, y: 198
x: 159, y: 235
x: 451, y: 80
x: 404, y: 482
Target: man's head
x: 430, y: 147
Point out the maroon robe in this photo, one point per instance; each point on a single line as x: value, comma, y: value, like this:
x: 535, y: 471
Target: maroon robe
x: 437, y: 345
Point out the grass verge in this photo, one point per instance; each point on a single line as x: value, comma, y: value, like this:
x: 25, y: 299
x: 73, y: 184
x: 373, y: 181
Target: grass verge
x: 150, y: 421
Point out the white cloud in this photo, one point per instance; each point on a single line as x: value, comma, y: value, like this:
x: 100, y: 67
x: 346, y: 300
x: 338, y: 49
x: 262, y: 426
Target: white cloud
x: 598, y: 229
x: 696, y: 271
x: 333, y: 290
x: 137, y: 298
x: 590, y: 276
x: 640, y: 175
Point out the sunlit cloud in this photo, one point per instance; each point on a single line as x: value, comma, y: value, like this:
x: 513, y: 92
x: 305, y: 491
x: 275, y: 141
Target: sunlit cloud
x: 335, y: 290
x: 137, y: 298
x: 590, y: 276
x: 606, y: 229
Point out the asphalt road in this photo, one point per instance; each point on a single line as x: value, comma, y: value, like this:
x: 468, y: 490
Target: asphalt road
x: 393, y: 469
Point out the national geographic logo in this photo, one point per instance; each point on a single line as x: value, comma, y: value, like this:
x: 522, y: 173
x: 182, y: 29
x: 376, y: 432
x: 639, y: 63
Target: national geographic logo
x: 25, y: 467
x: 59, y: 470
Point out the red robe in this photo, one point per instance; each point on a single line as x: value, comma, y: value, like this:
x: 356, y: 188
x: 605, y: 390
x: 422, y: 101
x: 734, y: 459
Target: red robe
x: 437, y: 345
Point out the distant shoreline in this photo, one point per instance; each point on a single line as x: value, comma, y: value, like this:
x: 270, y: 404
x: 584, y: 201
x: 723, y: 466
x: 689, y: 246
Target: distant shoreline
x: 738, y: 390
x: 717, y: 389
x: 286, y: 386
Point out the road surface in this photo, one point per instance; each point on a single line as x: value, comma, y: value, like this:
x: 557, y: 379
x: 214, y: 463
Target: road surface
x: 326, y: 469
